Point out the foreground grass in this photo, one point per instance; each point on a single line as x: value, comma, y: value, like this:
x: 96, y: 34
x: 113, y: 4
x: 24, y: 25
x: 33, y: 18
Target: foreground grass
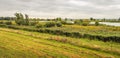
x: 24, y: 44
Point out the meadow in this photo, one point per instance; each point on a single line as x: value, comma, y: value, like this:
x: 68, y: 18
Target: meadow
x: 103, y: 33
x: 25, y: 44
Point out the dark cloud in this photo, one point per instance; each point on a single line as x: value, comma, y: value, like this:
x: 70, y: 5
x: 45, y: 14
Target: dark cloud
x: 62, y: 8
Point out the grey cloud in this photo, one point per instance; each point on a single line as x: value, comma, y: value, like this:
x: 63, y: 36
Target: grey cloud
x: 62, y: 8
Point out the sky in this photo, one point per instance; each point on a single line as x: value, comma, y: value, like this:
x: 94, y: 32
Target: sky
x: 62, y: 8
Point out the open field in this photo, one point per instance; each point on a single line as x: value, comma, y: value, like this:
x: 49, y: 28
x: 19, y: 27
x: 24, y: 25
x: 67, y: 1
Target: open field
x: 24, y: 44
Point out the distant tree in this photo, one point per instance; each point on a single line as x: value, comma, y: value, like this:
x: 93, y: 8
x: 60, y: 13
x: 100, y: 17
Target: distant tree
x: 104, y: 19
x: 91, y: 19
x: 119, y: 19
x: 58, y: 19
x: 26, y: 19
x: 71, y: 19
x: 66, y: 19
x: 20, y: 20
x: 1, y: 18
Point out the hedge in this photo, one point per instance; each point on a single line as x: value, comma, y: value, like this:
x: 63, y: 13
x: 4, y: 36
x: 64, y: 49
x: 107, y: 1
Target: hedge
x: 65, y: 33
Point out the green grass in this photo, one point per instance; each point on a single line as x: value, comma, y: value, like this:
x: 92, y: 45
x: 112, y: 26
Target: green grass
x: 103, y: 33
x: 24, y: 44
x: 93, y: 30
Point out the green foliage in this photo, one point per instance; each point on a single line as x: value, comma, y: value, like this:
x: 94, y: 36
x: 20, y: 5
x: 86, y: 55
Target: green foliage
x: 58, y: 19
x: 78, y: 34
x: 58, y: 24
x: 119, y: 19
x: 39, y: 25
x: 20, y: 20
x: 8, y: 23
x: 50, y: 24
x: 33, y: 23
x: 96, y: 23
x: 79, y: 22
x: 1, y: 22
x: 26, y: 19
x: 85, y: 24
x: 63, y: 22
x: 91, y: 19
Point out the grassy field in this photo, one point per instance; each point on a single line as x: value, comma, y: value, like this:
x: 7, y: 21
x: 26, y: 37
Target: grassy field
x: 24, y: 44
x: 95, y: 30
x: 102, y: 33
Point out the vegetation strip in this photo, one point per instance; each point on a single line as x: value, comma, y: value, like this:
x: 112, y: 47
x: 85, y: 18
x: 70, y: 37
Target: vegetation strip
x: 70, y: 34
x: 58, y: 40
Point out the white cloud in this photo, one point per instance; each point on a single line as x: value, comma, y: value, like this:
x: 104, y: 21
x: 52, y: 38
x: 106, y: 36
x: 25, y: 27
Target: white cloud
x: 79, y: 3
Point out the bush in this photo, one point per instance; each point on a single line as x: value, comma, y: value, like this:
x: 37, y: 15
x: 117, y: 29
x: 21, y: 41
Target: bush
x: 58, y: 24
x: 79, y: 22
x: 85, y: 24
x: 1, y: 22
x: 39, y: 25
x: 50, y: 24
x: 33, y: 23
x: 96, y: 23
x: 8, y: 23
x: 63, y: 22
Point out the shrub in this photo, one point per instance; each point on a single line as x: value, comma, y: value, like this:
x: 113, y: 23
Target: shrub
x: 96, y: 23
x: 79, y: 22
x: 1, y: 22
x: 33, y: 23
x: 50, y: 24
x: 39, y: 25
x: 85, y: 24
x: 8, y: 23
x: 58, y: 24
x: 63, y: 22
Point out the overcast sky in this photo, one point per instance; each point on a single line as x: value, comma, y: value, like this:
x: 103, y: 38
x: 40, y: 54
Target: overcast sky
x: 62, y: 8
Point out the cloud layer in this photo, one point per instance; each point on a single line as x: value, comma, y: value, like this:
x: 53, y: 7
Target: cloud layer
x: 62, y: 8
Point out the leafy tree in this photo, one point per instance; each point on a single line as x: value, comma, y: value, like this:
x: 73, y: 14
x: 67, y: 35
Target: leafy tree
x: 20, y: 20
x: 58, y: 19
x: 26, y: 19
x: 91, y: 19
